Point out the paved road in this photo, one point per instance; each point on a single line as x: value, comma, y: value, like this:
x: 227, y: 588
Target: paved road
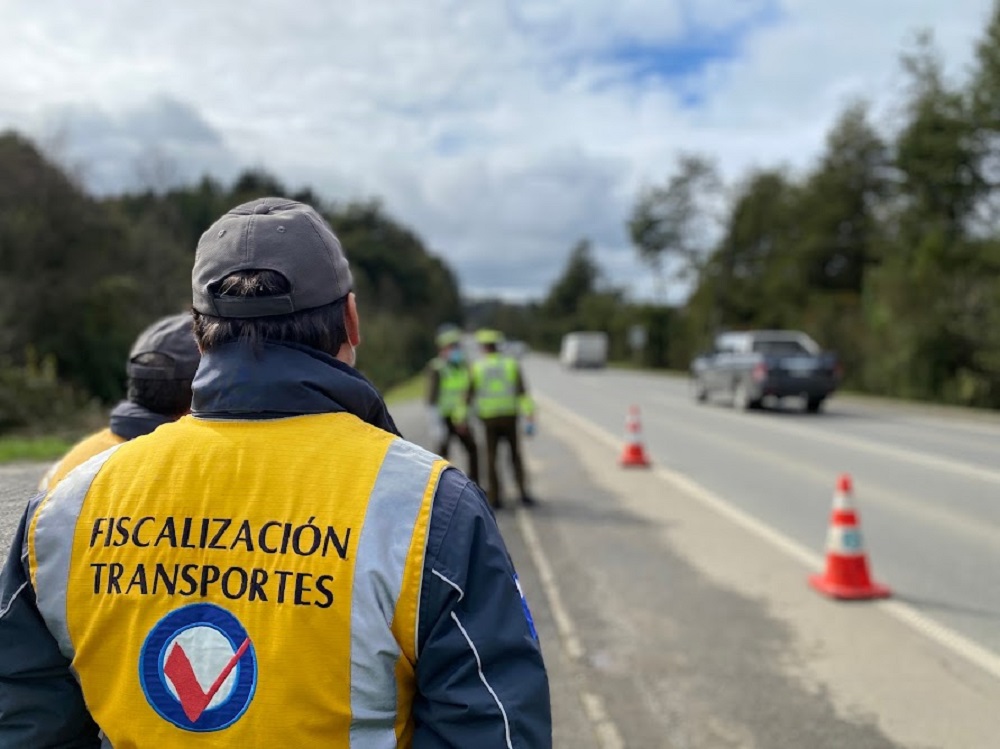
x: 17, y: 482
x: 927, y: 486
x: 670, y: 619
x: 924, y: 667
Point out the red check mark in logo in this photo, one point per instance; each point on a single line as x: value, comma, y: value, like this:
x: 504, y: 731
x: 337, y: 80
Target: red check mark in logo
x: 193, y: 700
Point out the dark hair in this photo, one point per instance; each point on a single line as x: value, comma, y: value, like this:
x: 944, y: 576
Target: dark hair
x: 321, y: 328
x: 164, y: 397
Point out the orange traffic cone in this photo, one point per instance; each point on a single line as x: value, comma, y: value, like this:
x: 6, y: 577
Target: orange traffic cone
x: 633, y: 454
x: 846, y: 575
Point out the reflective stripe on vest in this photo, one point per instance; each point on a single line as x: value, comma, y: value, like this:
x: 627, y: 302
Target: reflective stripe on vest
x: 49, y: 551
x: 256, y: 578
x: 81, y: 452
x: 495, y: 382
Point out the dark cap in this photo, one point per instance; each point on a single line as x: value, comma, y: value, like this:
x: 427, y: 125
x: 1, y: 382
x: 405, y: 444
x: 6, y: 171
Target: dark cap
x: 173, y: 339
x: 274, y: 234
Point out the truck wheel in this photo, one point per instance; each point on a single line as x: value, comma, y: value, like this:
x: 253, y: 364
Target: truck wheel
x: 814, y: 405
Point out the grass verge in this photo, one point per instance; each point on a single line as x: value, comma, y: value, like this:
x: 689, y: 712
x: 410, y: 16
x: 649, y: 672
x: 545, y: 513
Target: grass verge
x: 412, y: 389
x: 32, y: 448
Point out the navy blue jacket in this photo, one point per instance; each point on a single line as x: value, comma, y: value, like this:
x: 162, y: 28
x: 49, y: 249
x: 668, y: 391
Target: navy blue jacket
x: 130, y: 420
x: 484, y: 687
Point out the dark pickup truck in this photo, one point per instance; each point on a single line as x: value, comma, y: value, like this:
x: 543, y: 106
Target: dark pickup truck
x: 752, y: 366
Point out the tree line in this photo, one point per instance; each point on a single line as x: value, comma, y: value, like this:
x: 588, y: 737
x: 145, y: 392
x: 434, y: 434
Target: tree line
x: 80, y: 276
x: 886, y: 250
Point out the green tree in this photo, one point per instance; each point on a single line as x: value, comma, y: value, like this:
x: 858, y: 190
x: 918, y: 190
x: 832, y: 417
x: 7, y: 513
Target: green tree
x: 66, y: 288
x: 79, y: 277
x: 578, y: 280
x: 930, y: 293
x: 838, y: 237
x: 753, y: 277
x: 672, y: 226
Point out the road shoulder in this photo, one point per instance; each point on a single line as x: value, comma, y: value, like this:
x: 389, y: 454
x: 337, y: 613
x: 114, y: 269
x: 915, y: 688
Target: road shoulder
x: 869, y: 665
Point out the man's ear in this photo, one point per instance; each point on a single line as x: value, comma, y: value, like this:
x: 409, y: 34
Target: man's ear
x: 351, y: 321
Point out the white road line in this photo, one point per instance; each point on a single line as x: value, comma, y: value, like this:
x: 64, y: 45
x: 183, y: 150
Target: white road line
x: 915, y: 457
x: 608, y: 736
x: 607, y: 732
x: 928, y: 512
x: 564, y: 623
x: 961, y: 646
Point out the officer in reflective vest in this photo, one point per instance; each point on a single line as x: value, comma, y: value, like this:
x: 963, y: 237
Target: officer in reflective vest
x: 160, y: 368
x: 498, y: 394
x: 447, y: 385
x: 277, y: 569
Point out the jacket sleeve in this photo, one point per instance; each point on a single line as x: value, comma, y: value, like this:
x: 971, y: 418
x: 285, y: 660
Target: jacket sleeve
x: 41, y: 704
x: 520, y: 386
x: 525, y: 403
x: 481, y: 680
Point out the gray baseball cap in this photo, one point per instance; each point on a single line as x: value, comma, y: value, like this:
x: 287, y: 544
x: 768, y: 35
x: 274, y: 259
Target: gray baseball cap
x: 173, y: 338
x: 276, y: 234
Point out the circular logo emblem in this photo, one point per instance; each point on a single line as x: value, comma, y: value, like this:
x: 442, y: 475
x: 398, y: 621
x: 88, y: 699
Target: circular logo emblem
x: 198, y: 668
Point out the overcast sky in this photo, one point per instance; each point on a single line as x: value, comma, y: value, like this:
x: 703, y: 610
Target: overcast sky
x: 500, y: 130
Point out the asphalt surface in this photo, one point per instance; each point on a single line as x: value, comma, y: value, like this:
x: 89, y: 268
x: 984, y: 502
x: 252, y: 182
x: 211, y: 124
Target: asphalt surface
x: 672, y: 606
x: 927, y: 485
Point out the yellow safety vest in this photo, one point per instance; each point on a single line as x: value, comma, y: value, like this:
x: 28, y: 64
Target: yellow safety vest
x: 81, y: 452
x: 453, y: 384
x: 494, y: 379
x: 259, y: 579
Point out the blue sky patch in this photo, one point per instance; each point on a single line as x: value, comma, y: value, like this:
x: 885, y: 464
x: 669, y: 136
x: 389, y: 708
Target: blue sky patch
x: 451, y: 143
x: 675, y: 63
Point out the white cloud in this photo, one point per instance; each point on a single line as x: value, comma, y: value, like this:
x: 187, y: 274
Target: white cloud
x: 501, y: 131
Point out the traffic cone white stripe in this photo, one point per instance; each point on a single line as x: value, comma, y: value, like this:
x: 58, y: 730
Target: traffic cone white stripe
x: 844, y: 541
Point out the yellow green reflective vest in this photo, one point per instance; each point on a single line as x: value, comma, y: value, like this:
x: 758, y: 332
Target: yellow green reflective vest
x: 494, y: 381
x: 453, y: 385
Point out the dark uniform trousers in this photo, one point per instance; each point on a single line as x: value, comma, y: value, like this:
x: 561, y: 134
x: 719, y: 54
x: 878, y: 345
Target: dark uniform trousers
x: 503, y: 428
x: 468, y: 443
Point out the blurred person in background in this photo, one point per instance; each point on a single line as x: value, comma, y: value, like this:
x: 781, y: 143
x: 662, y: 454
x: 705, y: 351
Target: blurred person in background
x: 499, y: 397
x: 447, y: 386
x: 160, y: 367
x: 278, y: 568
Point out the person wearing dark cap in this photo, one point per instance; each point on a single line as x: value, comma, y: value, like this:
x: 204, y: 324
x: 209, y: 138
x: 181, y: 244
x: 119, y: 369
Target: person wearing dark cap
x: 160, y: 368
x: 279, y: 567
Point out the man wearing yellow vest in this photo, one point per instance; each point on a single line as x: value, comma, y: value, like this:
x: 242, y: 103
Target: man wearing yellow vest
x: 160, y: 368
x: 447, y: 385
x: 499, y: 397
x: 277, y: 569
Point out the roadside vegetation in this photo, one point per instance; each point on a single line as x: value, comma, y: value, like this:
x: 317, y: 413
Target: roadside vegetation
x: 32, y: 448
x: 886, y: 249
x: 81, y: 276
x: 410, y: 390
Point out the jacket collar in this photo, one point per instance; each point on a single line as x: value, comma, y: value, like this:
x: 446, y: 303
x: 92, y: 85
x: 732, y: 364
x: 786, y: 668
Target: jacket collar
x: 130, y: 420
x: 272, y: 380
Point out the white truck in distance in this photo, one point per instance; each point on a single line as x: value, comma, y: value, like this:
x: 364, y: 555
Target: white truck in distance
x: 584, y: 349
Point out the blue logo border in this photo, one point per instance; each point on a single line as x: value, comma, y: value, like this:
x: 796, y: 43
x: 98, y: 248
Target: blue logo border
x: 153, y: 680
